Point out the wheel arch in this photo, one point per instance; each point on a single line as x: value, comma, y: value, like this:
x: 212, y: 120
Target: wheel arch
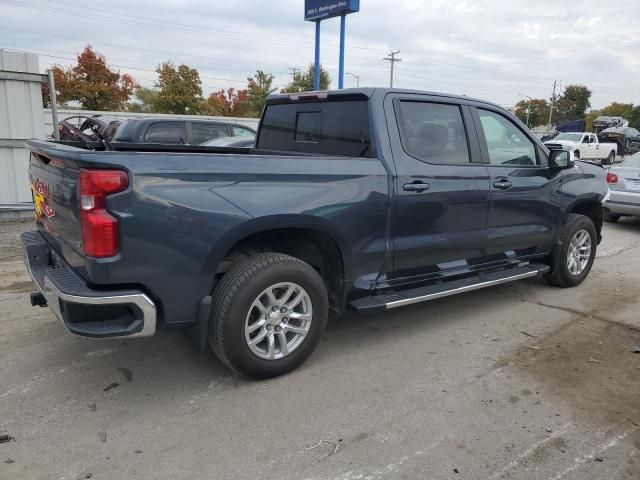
x: 592, y: 209
x: 310, y: 239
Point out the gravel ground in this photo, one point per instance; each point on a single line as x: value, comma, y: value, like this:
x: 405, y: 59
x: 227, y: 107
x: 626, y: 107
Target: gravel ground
x: 522, y: 381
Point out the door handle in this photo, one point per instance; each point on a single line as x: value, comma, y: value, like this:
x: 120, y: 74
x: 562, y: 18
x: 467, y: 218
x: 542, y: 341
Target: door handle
x: 502, y: 184
x: 415, y: 187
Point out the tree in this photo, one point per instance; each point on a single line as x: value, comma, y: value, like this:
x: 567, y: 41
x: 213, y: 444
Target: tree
x: 573, y: 103
x: 147, y: 101
x: 91, y: 83
x: 259, y: 88
x: 180, y: 90
x: 538, y: 111
x: 303, y: 82
x: 228, y: 103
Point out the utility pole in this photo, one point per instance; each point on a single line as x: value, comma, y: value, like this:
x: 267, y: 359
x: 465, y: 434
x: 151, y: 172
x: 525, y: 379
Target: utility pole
x: 294, y: 72
x: 391, y: 58
x: 553, y: 102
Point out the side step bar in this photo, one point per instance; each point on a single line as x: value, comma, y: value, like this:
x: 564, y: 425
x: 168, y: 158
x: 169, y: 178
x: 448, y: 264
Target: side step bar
x: 445, y: 289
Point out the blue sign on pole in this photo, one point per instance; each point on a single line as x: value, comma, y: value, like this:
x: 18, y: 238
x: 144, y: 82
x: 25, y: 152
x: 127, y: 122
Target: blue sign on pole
x: 318, y: 10
x: 323, y: 9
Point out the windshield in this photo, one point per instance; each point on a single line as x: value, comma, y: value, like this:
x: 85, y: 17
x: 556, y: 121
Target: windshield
x: 572, y: 137
x: 633, y: 161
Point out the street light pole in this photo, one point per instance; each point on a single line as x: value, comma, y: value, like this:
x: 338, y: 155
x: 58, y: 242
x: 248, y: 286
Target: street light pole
x: 528, y: 106
x: 357, y: 77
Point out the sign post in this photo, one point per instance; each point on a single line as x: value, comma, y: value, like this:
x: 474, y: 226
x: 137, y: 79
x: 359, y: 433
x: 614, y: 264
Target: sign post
x: 318, y: 10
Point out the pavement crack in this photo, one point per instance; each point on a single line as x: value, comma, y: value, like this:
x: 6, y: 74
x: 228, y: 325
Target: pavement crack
x: 622, y: 250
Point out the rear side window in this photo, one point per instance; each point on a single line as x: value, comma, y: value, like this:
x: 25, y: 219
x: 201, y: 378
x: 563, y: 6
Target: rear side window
x: 166, y: 132
x: 203, y: 132
x: 331, y: 128
x: 433, y: 132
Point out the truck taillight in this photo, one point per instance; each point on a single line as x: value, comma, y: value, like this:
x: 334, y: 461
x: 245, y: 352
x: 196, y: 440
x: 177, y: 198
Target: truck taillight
x: 99, y: 228
x: 612, y: 177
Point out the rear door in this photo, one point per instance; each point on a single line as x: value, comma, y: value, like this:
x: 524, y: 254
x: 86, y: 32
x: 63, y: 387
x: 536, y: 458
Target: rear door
x: 439, y: 223
x: 525, y: 209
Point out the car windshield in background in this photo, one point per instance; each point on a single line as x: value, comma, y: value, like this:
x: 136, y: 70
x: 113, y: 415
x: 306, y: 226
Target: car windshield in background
x: 632, y: 162
x: 331, y: 128
x: 571, y: 137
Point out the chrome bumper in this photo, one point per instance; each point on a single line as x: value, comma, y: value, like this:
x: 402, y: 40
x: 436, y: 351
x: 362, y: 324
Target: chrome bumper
x: 84, y: 311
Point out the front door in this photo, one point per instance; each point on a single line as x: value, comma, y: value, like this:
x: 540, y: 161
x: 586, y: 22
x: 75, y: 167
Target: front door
x: 525, y: 209
x: 442, y: 187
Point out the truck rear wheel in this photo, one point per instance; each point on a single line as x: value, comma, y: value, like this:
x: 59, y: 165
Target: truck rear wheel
x: 574, y: 253
x: 611, y: 158
x: 269, y: 313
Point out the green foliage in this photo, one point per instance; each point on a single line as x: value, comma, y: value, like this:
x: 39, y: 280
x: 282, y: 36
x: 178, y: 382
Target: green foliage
x: 147, y: 99
x: 573, y: 103
x: 538, y: 111
x: 303, y: 82
x: 260, y: 86
x: 180, y: 90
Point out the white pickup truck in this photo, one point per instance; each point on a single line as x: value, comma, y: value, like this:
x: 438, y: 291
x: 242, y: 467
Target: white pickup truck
x: 584, y: 146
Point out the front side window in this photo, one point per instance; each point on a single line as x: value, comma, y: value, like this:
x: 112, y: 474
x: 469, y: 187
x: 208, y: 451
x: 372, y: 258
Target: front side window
x: 433, y: 132
x: 506, y: 143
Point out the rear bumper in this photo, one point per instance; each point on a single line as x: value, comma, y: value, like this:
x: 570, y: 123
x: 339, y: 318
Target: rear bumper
x: 82, y: 310
x: 623, y: 203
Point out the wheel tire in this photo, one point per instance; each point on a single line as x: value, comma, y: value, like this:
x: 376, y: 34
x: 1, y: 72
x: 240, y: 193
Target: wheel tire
x: 627, y: 147
x: 611, y: 158
x: 232, y: 301
x: 576, y: 154
x: 560, y: 274
x: 611, y: 217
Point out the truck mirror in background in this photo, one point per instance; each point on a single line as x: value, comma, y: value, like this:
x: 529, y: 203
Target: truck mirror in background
x: 560, y: 159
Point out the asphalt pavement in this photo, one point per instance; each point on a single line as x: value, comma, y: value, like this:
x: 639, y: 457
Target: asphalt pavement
x: 521, y: 381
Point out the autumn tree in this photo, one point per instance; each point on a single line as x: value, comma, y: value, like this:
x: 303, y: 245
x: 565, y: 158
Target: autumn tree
x: 228, y: 103
x: 180, y: 90
x: 538, y: 111
x: 92, y: 83
x: 573, y: 103
x: 260, y: 86
x: 303, y: 82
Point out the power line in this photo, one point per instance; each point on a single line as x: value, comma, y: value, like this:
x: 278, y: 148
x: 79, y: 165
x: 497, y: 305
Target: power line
x: 131, y: 47
x: 391, y: 58
x: 179, y: 28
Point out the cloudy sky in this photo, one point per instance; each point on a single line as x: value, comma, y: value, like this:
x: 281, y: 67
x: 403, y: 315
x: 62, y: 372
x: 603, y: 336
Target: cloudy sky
x: 492, y: 49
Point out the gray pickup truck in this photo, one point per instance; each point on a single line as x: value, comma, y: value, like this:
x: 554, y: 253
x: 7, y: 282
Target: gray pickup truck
x: 363, y: 199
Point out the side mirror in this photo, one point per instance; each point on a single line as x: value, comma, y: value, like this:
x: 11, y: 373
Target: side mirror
x: 560, y: 159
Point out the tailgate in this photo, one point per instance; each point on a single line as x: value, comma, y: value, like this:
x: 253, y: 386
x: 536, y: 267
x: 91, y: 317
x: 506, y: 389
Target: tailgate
x: 54, y: 186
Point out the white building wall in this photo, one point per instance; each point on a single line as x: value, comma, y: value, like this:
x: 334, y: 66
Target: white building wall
x: 20, y: 120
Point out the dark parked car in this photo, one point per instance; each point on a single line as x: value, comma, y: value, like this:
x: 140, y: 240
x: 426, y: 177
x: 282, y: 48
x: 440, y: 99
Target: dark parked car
x: 627, y: 138
x: 79, y: 127
x: 603, y: 122
x: 369, y: 199
x: 175, y: 131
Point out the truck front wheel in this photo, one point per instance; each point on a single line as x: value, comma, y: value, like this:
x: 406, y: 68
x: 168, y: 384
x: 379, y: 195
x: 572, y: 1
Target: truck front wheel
x: 269, y: 313
x: 576, y: 154
x: 573, y: 255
